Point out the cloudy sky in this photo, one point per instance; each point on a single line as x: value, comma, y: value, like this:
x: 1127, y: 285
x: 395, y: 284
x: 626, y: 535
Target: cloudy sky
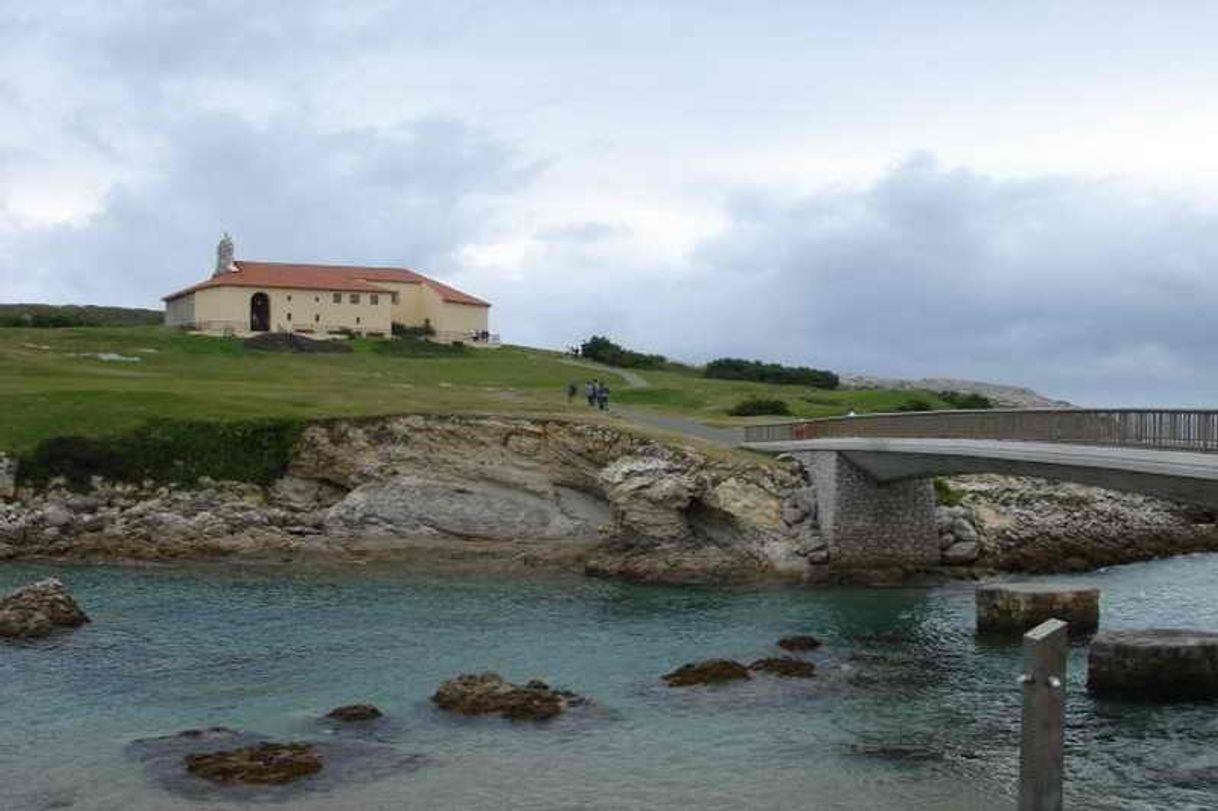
x: 1020, y: 192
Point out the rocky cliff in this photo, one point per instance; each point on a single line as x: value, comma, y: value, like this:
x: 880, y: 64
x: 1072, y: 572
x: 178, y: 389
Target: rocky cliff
x: 513, y: 491
x: 616, y: 502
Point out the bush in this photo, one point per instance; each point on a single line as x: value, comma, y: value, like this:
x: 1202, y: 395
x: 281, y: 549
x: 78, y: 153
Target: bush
x: 603, y: 350
x: 400, y: 330
x: 965, y: 399
x: 945, y: 495
x: 916, y: 404
x: 164, y: 451
x: 757, y: 406
x: 739, y: 369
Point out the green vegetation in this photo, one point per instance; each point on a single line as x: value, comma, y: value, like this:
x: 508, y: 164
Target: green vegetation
x: 169, y: 451
x: 50, y: 315
x: 758, y: 407
x: 945, y: 494
x: 54, y: 383
x: 916, y: 404
x: 964, y: 399
x: 603, y: 350
x: 738, y: 369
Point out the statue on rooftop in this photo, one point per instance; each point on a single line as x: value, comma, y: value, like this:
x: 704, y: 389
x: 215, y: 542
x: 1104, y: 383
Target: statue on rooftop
x: 224, y: 255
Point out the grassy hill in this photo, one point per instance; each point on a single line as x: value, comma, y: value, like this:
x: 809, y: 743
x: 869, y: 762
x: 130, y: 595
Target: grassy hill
x: 97, y: 381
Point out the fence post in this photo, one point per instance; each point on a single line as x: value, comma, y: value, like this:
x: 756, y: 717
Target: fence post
x: 1044, y: 717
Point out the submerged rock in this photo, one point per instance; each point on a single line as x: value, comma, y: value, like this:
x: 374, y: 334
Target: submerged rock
x: 491, y: 694
x: 799, y: 642
x: 710, y: 671
x: 34, y: 610
x: 354, y: 712
x: 261, y: 764
x: 787, y: 666
x: 221, y: 762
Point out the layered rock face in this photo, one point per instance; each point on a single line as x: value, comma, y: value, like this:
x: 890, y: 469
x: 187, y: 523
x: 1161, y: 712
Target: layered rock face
x: 651, y: 511
x: 1037, y: 525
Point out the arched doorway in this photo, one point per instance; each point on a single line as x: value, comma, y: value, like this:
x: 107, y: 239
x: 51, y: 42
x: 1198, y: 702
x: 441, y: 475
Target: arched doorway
x: 260, y: 312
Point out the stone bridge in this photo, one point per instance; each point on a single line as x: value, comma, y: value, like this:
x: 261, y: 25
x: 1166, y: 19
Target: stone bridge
x: 872, y: 473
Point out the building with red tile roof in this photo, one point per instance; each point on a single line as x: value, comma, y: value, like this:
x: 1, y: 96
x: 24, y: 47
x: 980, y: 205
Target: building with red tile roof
x: 244, y: 296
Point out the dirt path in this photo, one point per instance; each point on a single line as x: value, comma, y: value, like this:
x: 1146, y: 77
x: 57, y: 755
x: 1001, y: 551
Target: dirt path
x: 633, y: 380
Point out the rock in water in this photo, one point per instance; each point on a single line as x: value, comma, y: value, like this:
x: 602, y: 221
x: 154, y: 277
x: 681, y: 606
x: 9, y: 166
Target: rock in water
x: 710, y: 671
x: 354, y: 712
x: 787, y: 666
x: 490, y: 693
x: 262, y: 764
x: 799, y: 642
x: 33, y: 610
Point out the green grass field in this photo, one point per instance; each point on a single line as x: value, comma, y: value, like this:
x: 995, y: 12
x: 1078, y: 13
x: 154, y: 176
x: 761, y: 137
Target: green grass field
x: 53, y: 384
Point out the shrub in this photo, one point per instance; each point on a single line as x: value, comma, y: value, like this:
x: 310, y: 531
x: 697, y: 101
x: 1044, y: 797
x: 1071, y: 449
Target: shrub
x: 945, y: 494
x: 966, y: 399
x: 426, y: 330
x: 164, y: 451
x: 603, y: 350
x: 739, y: 369
x: 757, y: 406
x: 916, y: 404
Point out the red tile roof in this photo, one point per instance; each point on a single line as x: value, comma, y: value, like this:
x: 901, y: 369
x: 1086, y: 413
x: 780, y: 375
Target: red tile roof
x: 324, y: 277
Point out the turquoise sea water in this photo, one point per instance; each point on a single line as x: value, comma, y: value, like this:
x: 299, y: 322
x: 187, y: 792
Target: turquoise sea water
x: 269, y: 650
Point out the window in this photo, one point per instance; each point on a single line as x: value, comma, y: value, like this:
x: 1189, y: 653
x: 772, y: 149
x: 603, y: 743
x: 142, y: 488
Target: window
x: 316, y: 299
x: 357, y: 319
x: 393, y: 297
x: 289, y: 318
x: 374, y: 299
x: 338, y: 298
x: 355, y: 298
x: 316, y: 318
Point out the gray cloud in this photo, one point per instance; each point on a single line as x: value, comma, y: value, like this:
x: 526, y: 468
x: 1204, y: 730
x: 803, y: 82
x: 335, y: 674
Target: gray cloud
x: 1093, y: 290
x: 412, y: 194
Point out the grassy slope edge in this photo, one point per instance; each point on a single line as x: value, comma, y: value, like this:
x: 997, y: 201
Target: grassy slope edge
x: 56, y: 383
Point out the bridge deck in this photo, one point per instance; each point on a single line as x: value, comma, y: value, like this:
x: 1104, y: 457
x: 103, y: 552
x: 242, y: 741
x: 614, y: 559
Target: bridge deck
x: 1184, y: 475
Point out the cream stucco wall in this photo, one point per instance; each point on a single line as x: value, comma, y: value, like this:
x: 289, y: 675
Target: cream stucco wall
x: 453, y: 321
x: 228, y: 308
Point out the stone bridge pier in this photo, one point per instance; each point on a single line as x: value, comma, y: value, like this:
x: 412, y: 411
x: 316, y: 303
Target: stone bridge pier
x: 867, y: 524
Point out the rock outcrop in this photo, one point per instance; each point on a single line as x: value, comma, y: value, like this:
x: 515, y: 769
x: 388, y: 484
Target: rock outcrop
x: 37, y: 609
x: 709, y: 671
x: 355, y: 712
x: 648, y: 511
x: 1036, y: 525
x: 491, y: 694
x: 262, y: 764
x: 786, y: 666
x: 799, y: 642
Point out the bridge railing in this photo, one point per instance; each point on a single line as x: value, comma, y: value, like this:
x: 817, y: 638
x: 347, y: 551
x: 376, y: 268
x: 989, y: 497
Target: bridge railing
x: 1168, y: 429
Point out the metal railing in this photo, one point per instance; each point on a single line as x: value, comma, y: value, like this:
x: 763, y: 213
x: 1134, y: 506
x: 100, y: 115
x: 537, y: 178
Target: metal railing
x: 1166, y: 429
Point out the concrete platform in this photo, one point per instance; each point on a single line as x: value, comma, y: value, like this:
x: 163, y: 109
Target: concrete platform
x: 1156, y: 664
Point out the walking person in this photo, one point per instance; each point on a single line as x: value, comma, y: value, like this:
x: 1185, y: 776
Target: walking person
x: 602, y: 396
x: 590, y: 390
x: 572, y: 389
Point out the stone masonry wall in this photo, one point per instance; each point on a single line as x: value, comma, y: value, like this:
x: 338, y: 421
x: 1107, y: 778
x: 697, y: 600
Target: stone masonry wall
x: 869, y: 524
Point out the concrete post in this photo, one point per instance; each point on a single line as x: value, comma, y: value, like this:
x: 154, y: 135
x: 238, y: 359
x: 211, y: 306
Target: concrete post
x: 1044, y: 717
x: 868, y: 524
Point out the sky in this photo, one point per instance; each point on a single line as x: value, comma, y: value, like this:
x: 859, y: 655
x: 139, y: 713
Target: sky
x: 1023, y: 193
